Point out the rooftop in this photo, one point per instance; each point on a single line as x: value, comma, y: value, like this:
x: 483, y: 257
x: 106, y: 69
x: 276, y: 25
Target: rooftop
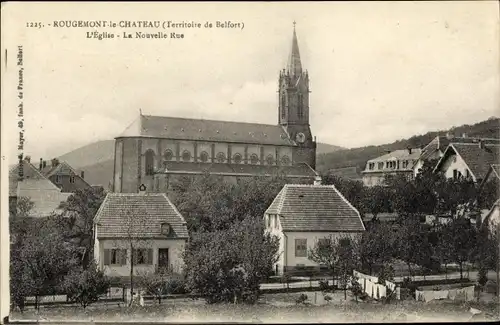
x: 319, y: 208
x: 138, y: 215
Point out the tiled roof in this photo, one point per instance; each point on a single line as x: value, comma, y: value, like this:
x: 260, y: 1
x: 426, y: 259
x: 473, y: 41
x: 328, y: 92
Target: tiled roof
x: 399, y: 154
x: 440, y: 143
x: 208, y: 130
x: 298, y: 170
x: 479, y: 160
x: 30, y: 172
x: 315, y: 208
x: 496, y: 170
x: 138, y: 215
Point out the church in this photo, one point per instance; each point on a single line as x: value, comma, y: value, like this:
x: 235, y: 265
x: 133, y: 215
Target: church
x: 156, y: 150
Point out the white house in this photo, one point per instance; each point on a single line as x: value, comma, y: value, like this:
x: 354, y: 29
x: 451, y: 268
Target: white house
x: 397, y: 162
x: 301, y: 215
x: 147, y: 224
x: 468, y: 160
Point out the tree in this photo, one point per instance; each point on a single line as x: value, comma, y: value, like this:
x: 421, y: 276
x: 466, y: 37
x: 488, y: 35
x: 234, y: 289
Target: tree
x: 79, y: 211
x: 40, y: 260
x: 339, y: 254
x: 356, y: 288
x: 376, y: 246
x: 85, y: 286
x: 353, y: 191
x: 386, y: 274
x: 228, y: 265
x: 461, y: 238
x: 20, y: 207
x: 376, y: 200
x: 158, y: 283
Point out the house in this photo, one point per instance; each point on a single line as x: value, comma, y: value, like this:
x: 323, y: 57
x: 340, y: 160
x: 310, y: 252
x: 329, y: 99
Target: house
x: 398, y: 162
x: 436, y: 148
x: 63, y: 175
x: 147, y: 223
x: 301, y: 215
x: 492, y: 218
x: 468, y: 160
x: 154, y: 150
x: 29, y: 182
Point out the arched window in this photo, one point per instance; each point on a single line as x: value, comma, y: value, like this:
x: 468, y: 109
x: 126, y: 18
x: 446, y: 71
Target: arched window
x: 237, y: 158
x: 221, y: 157
x: 254, y: 159
x: 150, y: 162
x: 283, y: 106
x: 285, y: 160
x: 186, y: 155
x: 168, y: 155
x: 300, y: 106
x: 204, y: 156
x: 270, y: 160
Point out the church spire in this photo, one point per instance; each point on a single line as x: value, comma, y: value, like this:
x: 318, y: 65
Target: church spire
x: 294, y: 66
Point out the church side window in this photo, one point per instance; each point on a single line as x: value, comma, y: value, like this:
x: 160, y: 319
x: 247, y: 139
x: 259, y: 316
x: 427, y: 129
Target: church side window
x: 204, y: 156
x: 150, y: 161
x: 254, y: 159
x: 285, y: 160
x: 270, y: 160
x: 237, y: 158
x: 221, y: 157
x: 168, y: 155
x: 186, y: 155
x: 283, y: 106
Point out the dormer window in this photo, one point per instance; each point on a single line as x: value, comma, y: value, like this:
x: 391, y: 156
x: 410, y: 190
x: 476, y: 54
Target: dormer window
x: 72, y: 179
x: 58, y: 179
x: 165, y: 229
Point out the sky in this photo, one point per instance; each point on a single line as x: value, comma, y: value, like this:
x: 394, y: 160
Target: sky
x: 379, y: 71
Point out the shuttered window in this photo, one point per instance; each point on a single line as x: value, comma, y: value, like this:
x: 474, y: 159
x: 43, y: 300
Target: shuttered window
x: 143, y: 256
x: 300, y: 247
x: 115, y: 257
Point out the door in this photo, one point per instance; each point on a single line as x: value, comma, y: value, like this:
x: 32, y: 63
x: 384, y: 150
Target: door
x: 163, y: 262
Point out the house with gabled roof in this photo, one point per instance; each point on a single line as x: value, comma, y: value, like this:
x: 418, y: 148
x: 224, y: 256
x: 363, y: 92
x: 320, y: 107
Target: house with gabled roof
x: 63, y: 176
x: 143, y: 228
x: 31, y: 183
x: 302, y: 215
x: 468, y: 160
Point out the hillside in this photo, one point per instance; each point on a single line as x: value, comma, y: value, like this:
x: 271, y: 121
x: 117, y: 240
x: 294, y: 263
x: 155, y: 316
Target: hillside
x: 96, y: 159
x: 359, y: 156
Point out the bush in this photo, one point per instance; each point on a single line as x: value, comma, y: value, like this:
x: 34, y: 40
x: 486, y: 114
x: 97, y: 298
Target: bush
x: 301, y: 299
x: 328, y: 298
x: 323, y: 285
x: 86, y: 286
x: 175, y: 286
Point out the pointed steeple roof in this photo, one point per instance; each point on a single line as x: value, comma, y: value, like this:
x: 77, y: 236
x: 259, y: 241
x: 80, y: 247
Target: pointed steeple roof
x: 294, y: 66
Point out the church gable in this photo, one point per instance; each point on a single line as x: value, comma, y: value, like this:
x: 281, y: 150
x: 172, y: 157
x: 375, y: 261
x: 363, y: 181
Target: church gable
x: 207, y: 130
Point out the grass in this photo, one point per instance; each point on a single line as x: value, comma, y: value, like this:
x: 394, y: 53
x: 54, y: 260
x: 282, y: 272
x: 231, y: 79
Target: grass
x: 338, y: 310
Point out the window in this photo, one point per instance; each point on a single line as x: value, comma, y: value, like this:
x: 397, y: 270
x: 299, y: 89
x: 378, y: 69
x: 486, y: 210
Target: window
x: 165, y: 229
x: 283, y: 106
x: 268, y: 220
x: 285, y: 160
x: 300, y: 247
x: 455, y: 174
x: 186, y: 155
x: 115, y: 256
x: 168, y: 155
x: 150, y: 161
x: 204, y: 156
x: 300, y: 106
x: 221, y: 157
x: 275, y: 217
x: 380, y: 165
x: 371, y: 166
x: 58, y: 179
x: 143, y: 256
x: 270, y: 160
x: 72, y: 179
x: 237, y: 158
x: 467, y: 174
x: 254, y: 159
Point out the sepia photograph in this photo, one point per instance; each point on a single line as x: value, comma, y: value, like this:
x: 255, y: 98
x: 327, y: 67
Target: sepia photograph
x: 250, y: 162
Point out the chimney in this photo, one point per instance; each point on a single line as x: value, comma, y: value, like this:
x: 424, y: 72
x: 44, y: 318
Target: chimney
x: 20, y: 168
x: 28, y: 159
x: 82, y: 174
x: 317, y: 180
x: 41, y: 164
x: 44, y: 164
x: 409, y: 151
x: 55, y: 162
